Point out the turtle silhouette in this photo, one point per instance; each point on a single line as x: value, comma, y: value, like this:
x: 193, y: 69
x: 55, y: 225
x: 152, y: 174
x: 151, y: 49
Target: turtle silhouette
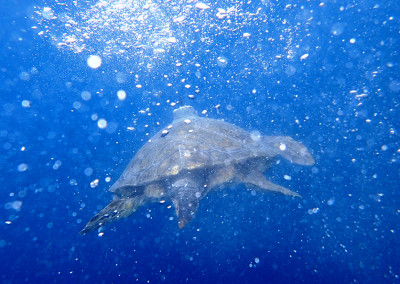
x: 192, y: 156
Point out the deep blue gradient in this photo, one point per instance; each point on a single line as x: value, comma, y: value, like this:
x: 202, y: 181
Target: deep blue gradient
x: 342, y: 102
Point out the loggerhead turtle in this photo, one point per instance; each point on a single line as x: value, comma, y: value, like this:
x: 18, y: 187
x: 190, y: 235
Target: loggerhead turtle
x: 187, y: 159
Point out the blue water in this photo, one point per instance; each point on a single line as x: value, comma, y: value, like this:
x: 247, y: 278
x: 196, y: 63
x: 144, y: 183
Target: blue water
x: 324, y: 73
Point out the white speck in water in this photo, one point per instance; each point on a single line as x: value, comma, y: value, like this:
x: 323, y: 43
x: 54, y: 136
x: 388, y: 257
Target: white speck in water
x: 94, y: 61
x: 202, y: 6
x: 222, y: 14
x: 255, y: 135
x: 331, y: 201
x: 257, y: 260
x: 102, y: 123
x: 47, y: 13
x: 26, y: 103
x: 121, y: 95
x: 86, y: 95
x: 282, y: 147
x: 94, y: 183
x: 77, y: 105
x: 172, y: 40
x: 222, y: 61
x: 337, y: 29
x: 198, y: 194
x: 313, y: 211
x: 57, y: 164
x: 287, y: 177
x: 304, y: 56
x: 246, y: 35
x: 179, y: 19
x: 16, y: 205
x: 22, y: 167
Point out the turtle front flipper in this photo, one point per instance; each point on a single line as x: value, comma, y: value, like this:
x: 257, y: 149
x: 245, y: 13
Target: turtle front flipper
x: 114, y: 211
x: 258, y: 180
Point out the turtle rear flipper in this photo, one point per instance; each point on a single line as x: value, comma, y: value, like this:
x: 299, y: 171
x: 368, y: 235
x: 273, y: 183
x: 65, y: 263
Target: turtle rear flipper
x: 114, y: 211
x: 186, y: 194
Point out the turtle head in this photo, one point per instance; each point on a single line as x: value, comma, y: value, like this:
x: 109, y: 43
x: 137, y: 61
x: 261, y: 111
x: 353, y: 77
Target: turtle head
x: 184, y: 112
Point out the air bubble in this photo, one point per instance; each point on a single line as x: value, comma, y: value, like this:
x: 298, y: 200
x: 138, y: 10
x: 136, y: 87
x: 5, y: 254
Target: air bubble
x: 255, y: 135
x: 94, y: 61
x: 85, y: 95
x: 222, y: 61
x: 121, y: 94
x: 102, y: 123
x: 22, y: 167
x: 202, y: 6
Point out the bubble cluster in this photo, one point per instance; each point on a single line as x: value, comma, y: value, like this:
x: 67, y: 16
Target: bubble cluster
x: 107, y: 27
x: 144, y: 29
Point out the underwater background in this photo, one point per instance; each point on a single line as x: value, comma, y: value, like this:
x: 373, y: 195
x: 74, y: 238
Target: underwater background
x: 84, y: 84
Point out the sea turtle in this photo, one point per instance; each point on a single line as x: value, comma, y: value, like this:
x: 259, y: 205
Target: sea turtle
x: 193, y: 155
